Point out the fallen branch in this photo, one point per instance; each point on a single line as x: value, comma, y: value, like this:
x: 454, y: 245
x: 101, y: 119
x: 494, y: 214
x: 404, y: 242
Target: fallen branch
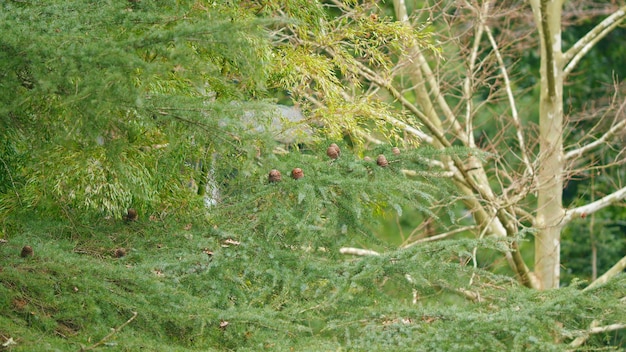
x: 594, y: 329
x: 115, y: 331
x: 357, y: 251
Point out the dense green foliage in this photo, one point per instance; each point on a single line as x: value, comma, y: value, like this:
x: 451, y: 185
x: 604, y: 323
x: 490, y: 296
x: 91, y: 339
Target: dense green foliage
x: 92, y: 93
x: 110, y: 105
x: 272, y: 292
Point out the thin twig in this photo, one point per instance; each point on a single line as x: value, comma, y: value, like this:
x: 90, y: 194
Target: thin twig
x: 115, y: 331
x: 440, y: 236
x: 467, y: 85
x: 616, y: 129
x: 509, y: 92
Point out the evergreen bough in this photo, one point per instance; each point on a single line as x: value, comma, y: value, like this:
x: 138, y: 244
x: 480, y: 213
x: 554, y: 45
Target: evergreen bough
x: 111, y: 105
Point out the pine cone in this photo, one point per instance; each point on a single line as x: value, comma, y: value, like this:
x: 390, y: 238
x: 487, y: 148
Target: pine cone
x: 395, y: 151
x: 27, y: 251
x: 333, y: 151
x: 382, y: 161
x: 131, y: 215
x: 367, y: 159
x: 297, y: 173
x: 119, y: 252
x: 274, y: 176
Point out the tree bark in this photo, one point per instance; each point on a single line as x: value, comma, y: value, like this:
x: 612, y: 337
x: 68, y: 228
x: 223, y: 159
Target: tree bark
x: 549, y: 214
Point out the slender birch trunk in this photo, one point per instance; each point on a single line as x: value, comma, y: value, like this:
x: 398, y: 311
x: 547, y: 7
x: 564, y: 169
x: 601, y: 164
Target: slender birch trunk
x: 549, y: 214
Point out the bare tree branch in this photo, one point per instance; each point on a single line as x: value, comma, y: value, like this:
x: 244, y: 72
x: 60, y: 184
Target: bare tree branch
x: 113, y: 332
x: 421, y: 72
x: 412, y: 130
x: 470, y: 176
x: 617, y: 128
x: 413, y: 173
x: 509, y: 92
x: 615, y: 269
x: 607, y: 328
x: 582, y: 47
x: 467, y: 85
x: 450, y: 98
x: 585, y: 210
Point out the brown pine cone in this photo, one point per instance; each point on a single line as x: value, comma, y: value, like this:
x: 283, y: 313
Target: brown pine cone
x: 297, y: 173
x: 274, y: 176
x: 382, y: 161
x: 395, y: 151
x: 131, y: 215
x: 119, y: 252
x: 333, y: 151
x: 27, y: 251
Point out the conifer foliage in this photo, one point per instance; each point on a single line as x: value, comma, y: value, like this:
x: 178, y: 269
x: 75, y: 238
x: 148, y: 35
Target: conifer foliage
x: 107, y: 106
x: 104, y: 105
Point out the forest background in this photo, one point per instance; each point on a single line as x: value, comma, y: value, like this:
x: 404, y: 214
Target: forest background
x: 474, y: 201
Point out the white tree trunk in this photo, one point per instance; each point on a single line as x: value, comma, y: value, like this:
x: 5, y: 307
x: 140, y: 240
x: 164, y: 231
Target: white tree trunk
x: 549, y: 214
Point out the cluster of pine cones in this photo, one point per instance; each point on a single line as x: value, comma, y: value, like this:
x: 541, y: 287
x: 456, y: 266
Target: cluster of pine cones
x: 276, y: 176
x: 334, y: 153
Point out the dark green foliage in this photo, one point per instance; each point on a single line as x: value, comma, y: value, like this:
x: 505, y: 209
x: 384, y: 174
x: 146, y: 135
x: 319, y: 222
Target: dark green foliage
x: 106, y: 105
x: 264, y: 271
x: 266, y: 294
x: 333, y: 205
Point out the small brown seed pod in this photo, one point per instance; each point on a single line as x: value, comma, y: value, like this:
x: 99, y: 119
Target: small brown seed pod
x: 27, y: 251
x: 297, y: 173
x: 131, y: 215
x: 119, y: 252
x: 332, y: 153
x: 337, y: 149
x: 395, y: 151
x: 382, y: 161
x: 274, y: 176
